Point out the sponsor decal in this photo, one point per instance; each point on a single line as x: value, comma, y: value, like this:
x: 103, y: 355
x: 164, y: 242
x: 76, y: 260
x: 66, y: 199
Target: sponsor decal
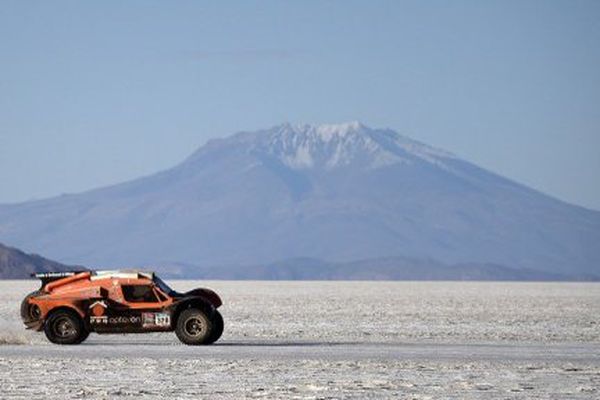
x: 101, y: 320
x: 55, y: 274
x: 124, y: 320
x: 162, y: 319
x: 106, y: 320
x: 98, y: 308
x: 147, y: 319
x: 156, y: 319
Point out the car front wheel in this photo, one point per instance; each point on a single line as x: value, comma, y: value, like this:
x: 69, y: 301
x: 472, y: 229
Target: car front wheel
x: 65, y: 327
x: 218, y: 325
x: 193, y: 327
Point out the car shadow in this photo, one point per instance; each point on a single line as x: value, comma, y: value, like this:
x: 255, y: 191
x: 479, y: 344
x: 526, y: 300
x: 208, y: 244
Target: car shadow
x: 287, y: 344
x: 228, y: 344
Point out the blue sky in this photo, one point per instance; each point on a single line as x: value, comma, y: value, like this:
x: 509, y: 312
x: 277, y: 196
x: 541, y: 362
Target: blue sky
x: 94, y: 93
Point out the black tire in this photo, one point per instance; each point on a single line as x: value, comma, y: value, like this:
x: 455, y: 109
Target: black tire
x: 193, y: 327
x: 65, y: 327
x: 84, y: 335
x: 30, y: 312
x: 217, y: 329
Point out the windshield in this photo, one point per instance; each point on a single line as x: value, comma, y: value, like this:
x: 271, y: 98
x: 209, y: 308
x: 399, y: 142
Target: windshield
x: 163, y: 286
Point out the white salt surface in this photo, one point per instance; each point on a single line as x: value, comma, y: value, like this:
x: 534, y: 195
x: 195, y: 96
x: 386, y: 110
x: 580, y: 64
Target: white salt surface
x: 312, y: 340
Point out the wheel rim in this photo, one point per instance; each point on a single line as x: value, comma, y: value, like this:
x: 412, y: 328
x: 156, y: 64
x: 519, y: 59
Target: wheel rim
x: 194, y: 326
x: 64, y: 327
x: 34, y: 312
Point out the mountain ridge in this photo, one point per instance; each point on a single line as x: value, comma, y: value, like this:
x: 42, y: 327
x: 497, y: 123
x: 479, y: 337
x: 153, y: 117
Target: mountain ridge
x: 390, y: 268
x: 335, y: 192
x: 16, y: 264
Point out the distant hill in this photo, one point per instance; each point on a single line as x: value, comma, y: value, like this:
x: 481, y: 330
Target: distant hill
x: 341, y: 193
x: 15, y: 264
x: 392, y: 268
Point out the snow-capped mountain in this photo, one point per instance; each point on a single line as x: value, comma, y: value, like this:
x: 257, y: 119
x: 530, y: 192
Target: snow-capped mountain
x: 339, y: 193
x: 338, y: 145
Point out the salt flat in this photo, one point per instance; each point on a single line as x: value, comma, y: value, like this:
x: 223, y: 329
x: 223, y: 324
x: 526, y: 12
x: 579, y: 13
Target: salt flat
x: 333, y: 340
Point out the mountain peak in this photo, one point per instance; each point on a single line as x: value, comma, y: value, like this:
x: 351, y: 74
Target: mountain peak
x: 325, y: 132
x: 331, y: 146
x: 335, y: 145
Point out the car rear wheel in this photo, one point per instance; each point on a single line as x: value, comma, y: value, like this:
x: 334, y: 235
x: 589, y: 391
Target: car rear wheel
x: 193, y: 327
x: 218, y: 326
x: 65, y: 327
x: 30, y: 313
x: 84, y: 335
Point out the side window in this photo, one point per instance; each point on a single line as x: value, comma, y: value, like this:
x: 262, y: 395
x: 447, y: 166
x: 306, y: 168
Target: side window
x: 139, y: 294
x: 161, y: 296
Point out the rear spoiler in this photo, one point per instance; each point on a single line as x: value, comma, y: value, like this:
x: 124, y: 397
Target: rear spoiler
x: 47, y: 277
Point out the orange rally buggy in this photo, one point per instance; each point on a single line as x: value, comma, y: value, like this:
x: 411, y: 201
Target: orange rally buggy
x: 70, y: 305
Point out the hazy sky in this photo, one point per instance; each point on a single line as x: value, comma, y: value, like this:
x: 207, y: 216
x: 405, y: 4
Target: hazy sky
x: 93, y: 93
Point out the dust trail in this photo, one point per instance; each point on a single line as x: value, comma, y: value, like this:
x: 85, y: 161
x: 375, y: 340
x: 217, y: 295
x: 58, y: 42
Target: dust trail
x: 14, y: 333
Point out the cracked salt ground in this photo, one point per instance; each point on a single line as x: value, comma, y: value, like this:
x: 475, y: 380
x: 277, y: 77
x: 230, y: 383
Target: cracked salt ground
x: 269, y: 378
x: 320, y: 340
